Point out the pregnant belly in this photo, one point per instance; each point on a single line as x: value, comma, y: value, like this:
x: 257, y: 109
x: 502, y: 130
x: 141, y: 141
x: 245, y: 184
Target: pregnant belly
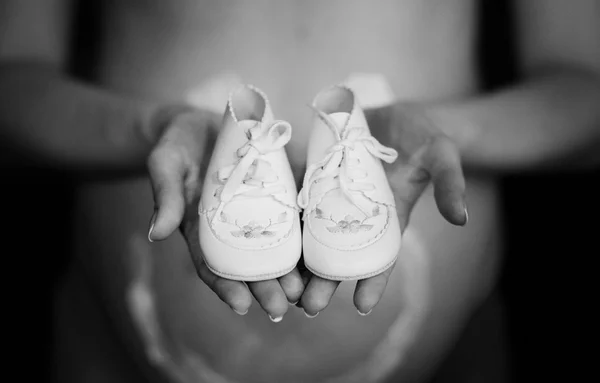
x: 179, y: 326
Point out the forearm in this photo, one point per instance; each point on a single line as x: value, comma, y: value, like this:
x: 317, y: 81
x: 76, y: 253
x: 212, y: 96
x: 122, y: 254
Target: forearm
x: 547, y: 122
x: 61, y: 122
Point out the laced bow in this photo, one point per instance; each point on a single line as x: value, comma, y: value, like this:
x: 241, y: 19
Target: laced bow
x: 338, y: 163
x: 252, y: 176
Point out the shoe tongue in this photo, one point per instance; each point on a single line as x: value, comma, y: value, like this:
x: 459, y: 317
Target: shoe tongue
x: 246, y: 125
x: 340, y: 119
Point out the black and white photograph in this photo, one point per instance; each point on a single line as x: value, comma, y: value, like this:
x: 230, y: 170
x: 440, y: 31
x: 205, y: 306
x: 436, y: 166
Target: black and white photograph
x: 299, y: 191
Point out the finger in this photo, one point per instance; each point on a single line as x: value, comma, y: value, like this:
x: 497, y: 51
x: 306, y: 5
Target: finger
x: 304, y: 272
x: 408, y: 183
x: 174, y: 171
x: 317, y: 295
x: 167, y: 171
x: 271, y: 298
x: 292, y: 286
x: 306, y: 276
x: 369, y: 291
x: 442, y: 161
x: 234, y: 293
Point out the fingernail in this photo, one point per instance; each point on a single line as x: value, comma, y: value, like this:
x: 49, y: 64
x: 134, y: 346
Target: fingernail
x: 310, y: 316
x: 466, y: 215
x: 276, y: 319
x: 293, y: 303
x: 240, y: 312
x: 152, y: 221
x: 364, y: 314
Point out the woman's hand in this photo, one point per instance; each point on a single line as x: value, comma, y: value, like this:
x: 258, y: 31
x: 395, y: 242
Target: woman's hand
x: 177, y: 166
x: 425, y: 154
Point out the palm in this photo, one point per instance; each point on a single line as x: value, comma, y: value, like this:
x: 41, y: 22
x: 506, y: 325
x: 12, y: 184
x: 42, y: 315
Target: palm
x: 425, y: 154
x: 177, y: 166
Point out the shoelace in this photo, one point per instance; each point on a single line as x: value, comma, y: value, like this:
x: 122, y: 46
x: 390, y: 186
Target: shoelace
x: 252, y: 176
x: 337, y: 163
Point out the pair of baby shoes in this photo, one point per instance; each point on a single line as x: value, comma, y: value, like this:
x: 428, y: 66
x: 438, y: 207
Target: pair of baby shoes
x: 250, y: 209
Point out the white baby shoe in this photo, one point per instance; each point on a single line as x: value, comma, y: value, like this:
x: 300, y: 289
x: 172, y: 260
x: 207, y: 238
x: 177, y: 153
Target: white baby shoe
x: 351, y: 229
x: 249, y: 219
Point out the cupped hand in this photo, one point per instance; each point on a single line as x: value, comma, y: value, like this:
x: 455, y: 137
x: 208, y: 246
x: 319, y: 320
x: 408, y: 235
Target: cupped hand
x: 176, y: 166
x: 425, y: 154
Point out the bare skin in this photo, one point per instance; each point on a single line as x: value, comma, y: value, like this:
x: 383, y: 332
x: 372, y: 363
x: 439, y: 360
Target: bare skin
x: 177, y: 325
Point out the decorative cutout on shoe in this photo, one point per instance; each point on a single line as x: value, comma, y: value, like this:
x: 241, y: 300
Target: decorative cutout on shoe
x: 253, y: 229
x: 348, y: 225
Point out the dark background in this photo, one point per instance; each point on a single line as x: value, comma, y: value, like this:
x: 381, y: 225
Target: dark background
x: 547, y: 280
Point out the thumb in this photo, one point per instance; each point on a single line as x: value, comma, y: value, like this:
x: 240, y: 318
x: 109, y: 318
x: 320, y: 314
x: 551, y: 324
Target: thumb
x: 167, y: 172
x: 174, y: 166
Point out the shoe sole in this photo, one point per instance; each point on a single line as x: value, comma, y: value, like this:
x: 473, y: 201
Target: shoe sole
x: 352, y: 277
x: 245, y: 278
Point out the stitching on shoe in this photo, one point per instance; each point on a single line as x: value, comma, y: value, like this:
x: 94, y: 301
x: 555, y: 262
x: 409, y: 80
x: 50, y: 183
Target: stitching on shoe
x: 253, y: 88
x: 322, y: 195
x: 293, y: 207
x: 206, y: 211
x: 377, y: 202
